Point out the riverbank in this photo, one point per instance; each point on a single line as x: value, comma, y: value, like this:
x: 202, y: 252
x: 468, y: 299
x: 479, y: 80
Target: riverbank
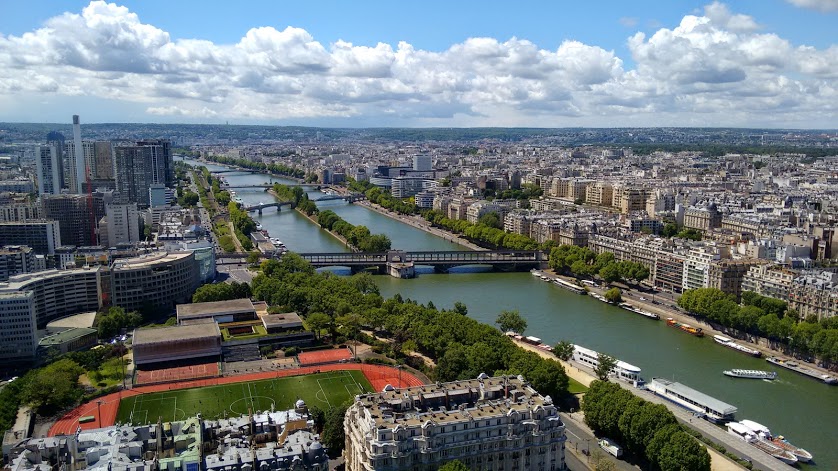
x: 314, y: 220
x: 665, y: 311
x: 718, y: 462
x: 420, y: 223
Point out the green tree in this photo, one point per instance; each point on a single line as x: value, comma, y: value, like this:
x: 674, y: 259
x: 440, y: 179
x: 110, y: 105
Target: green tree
x: 601, y: 462
x: 563, y: 350
x: 455, y: 465
x: 460, y: 308
x: 54, y: 387
x: 491, y: 219
x: 333, y: 433
x: 683, y: 452
x: 610, y: 273
x: 605, y: 364
x: 511, y: 321
x: 317, y: 322
x: 614, y: 295
x: 253, y: 258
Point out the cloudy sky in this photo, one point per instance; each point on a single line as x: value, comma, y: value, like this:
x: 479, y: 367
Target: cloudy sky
x: 550, y: 63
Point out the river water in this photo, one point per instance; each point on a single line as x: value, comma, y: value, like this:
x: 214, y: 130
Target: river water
x: 802, y: 409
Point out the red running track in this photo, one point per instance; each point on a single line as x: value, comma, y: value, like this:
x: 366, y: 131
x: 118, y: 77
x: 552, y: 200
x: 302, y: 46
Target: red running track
x: 104, y: 409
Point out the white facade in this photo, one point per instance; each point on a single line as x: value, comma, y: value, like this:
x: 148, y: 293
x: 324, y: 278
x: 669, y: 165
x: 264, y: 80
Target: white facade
x: 123, y: 223
x: 77, y: 159
x: 422, y: 163
x: 487, y: 424
x: 157, y: 195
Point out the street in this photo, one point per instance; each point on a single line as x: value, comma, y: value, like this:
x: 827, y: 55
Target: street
x: 580, y: 440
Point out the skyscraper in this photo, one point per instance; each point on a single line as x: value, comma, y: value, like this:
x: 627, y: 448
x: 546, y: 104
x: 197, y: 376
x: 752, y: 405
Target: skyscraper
x: 77, y: 167
x: 88, y: 165
x: 75, y: 218
x: 139, y: 166
x: 48, y: 167
x: 103, y: 160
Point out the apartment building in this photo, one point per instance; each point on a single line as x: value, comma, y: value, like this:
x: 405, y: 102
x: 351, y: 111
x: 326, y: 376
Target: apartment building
x: 600, y: 194
x: 815, y: 293
x: 774, y: 281
x: 697, y: 267
x: 703, y: 218
x: 16, y: 259
x: 42, y: 235
x: 489, y: 423
x: 727, y: 275
x: 158, y: 279
x: 18, y: 340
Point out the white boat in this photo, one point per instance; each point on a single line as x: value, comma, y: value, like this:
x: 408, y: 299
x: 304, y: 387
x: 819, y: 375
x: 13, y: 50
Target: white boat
x: 568, y: 286
x: 794, y: 366
x: 544, y: 278
x: 258, y: 226
x: 729, y: 343
x: 709, y: 407
x: 535, y: 273
x: 621, y: 370
x: 744, y: 432
x: 763, y: 433
x: 751, y: 374
x: 599, y: 297
x: 637, y: 310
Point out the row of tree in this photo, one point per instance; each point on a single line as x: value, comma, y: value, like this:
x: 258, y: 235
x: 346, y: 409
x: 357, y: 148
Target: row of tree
x: 242, y: 223
x: 485, y: 235
x: 111, y: 322
x: 297, y: 197
x: 386, y: 200
x: 766, y: 317
x: 221, y: 292
x: 460, y: 346
x: 648, y: 431
x: 357, y: 236
x: 583, y: 262
x: 273, y: 168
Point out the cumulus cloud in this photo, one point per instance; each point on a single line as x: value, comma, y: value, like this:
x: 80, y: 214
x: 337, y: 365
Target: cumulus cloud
x: 717, y: 68
x: 822, y: 5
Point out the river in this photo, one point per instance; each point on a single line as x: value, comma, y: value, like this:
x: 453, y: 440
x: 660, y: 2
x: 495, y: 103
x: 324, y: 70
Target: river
x: 800, y: 408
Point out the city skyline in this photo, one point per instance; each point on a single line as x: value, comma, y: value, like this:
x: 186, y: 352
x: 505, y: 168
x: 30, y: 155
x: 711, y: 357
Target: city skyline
x: 684, y: 64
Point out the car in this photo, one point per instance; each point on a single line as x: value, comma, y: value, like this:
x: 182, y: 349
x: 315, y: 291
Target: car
x: 642, y: 298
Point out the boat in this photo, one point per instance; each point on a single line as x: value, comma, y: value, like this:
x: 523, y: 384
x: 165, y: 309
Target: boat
x: 685, y: 327
x: 705, y: 406
x: 794, y: 366
x: 569, y: 286
x: 763, y: 433
x: 544, y: 278
x: 636, y: 310
x: 729, y: 343
x: 258, y: 226
x: 599, y: 297
x: 750, y: 374
x: 622, y: 370
x: 535, y: 273
x: 745, y: 433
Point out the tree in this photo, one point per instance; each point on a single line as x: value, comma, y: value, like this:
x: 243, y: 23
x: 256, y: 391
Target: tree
x: 455, y: 465
x: 491, y: 219
x: 610, y: 273
x: 54, y: 387
x: 333, y: 434
x: 604, y: 366
x: 682, y: 451
x: 511, y: 321
x: 614, y: 295
x: 601, y: 462
x: 563, y: 350
x: 460, y: 308
x: 253, y: 258
x: 317, y: 322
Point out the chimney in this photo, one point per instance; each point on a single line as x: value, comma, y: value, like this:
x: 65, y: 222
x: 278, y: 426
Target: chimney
x: 79, y: 156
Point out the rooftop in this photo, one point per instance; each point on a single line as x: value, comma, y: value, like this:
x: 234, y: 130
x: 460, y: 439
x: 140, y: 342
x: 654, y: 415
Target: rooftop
x: 66, y: 336
x: 177, y: 332
x: 214, y: 308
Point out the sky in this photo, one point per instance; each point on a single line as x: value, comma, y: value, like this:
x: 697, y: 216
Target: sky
x: 609, y: 63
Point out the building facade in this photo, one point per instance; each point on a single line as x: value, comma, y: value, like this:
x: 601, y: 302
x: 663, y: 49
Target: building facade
x: 487, y: 424
x: 18, y: 340
x: 49, y: 169
x: 42, y: 235
x: 159, y: 280
x: 77, y: 217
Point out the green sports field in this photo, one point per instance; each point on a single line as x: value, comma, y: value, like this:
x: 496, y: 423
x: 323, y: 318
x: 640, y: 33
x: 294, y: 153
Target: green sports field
x: 323, y: 390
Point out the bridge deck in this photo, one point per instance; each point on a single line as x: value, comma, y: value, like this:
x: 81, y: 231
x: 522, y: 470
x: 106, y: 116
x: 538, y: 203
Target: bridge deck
x: 459, y: 257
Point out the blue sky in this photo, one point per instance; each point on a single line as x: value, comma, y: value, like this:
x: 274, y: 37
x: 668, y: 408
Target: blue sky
x: 433, y: 29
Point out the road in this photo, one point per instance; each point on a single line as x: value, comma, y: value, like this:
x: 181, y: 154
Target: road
x: 580, y: 440
x: 234, y: 272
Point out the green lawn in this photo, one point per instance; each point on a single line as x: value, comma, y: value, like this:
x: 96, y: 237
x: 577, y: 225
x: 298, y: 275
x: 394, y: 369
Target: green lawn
x: 324, y: 390
x: 575, y: 387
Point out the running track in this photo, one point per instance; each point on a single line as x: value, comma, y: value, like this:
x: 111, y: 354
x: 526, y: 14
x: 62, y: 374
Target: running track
x: 378, y: 376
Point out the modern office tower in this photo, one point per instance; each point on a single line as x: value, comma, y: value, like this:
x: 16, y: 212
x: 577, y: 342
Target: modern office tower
x: 161, y: 280
x: 139, y: 166
x: 75, y: 217
x: 123, y: 224
x: 44, y: 236
x: 422, y: 163
x: 16, y: 259
x: 77, y: 161
x: 18, y: 337
x: 103, y: 160
x: 49, y: 168
x: 88, y: 164
x: 157, y: 195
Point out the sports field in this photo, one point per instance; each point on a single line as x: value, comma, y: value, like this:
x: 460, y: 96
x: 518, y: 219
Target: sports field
x: 323, y: 390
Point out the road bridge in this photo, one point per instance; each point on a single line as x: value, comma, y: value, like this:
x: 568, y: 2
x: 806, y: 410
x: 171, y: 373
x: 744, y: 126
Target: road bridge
x: 267, y: 186
x: 349, y: 198
x: 259, y: 207
x: 441, y: 261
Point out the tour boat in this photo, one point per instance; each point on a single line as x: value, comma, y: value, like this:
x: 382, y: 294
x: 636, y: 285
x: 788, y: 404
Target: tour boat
x: 622, y: 370
x: 705, y: 406
x: 751, y: 374
x: 744, y: 432
x: 685, y: 327
x: 763, y: 433
x: 729, y: 343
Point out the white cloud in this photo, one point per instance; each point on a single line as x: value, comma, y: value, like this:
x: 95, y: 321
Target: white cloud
x: 822, y: 5
x: 715, y: 68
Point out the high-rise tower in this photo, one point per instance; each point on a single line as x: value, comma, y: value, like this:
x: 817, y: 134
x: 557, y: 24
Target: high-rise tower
x: 78, y: 158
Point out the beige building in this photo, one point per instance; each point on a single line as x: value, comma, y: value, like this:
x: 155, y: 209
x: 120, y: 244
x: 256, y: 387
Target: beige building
x: 600, y: 194
x: 727, y: 275
x: 769, y: 280
x: 703, y: 219
x: 488, y: 423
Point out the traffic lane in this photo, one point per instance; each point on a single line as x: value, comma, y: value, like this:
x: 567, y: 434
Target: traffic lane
x: 582, y: 442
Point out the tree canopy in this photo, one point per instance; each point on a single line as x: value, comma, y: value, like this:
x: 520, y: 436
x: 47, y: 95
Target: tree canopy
x: 511, y: 321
